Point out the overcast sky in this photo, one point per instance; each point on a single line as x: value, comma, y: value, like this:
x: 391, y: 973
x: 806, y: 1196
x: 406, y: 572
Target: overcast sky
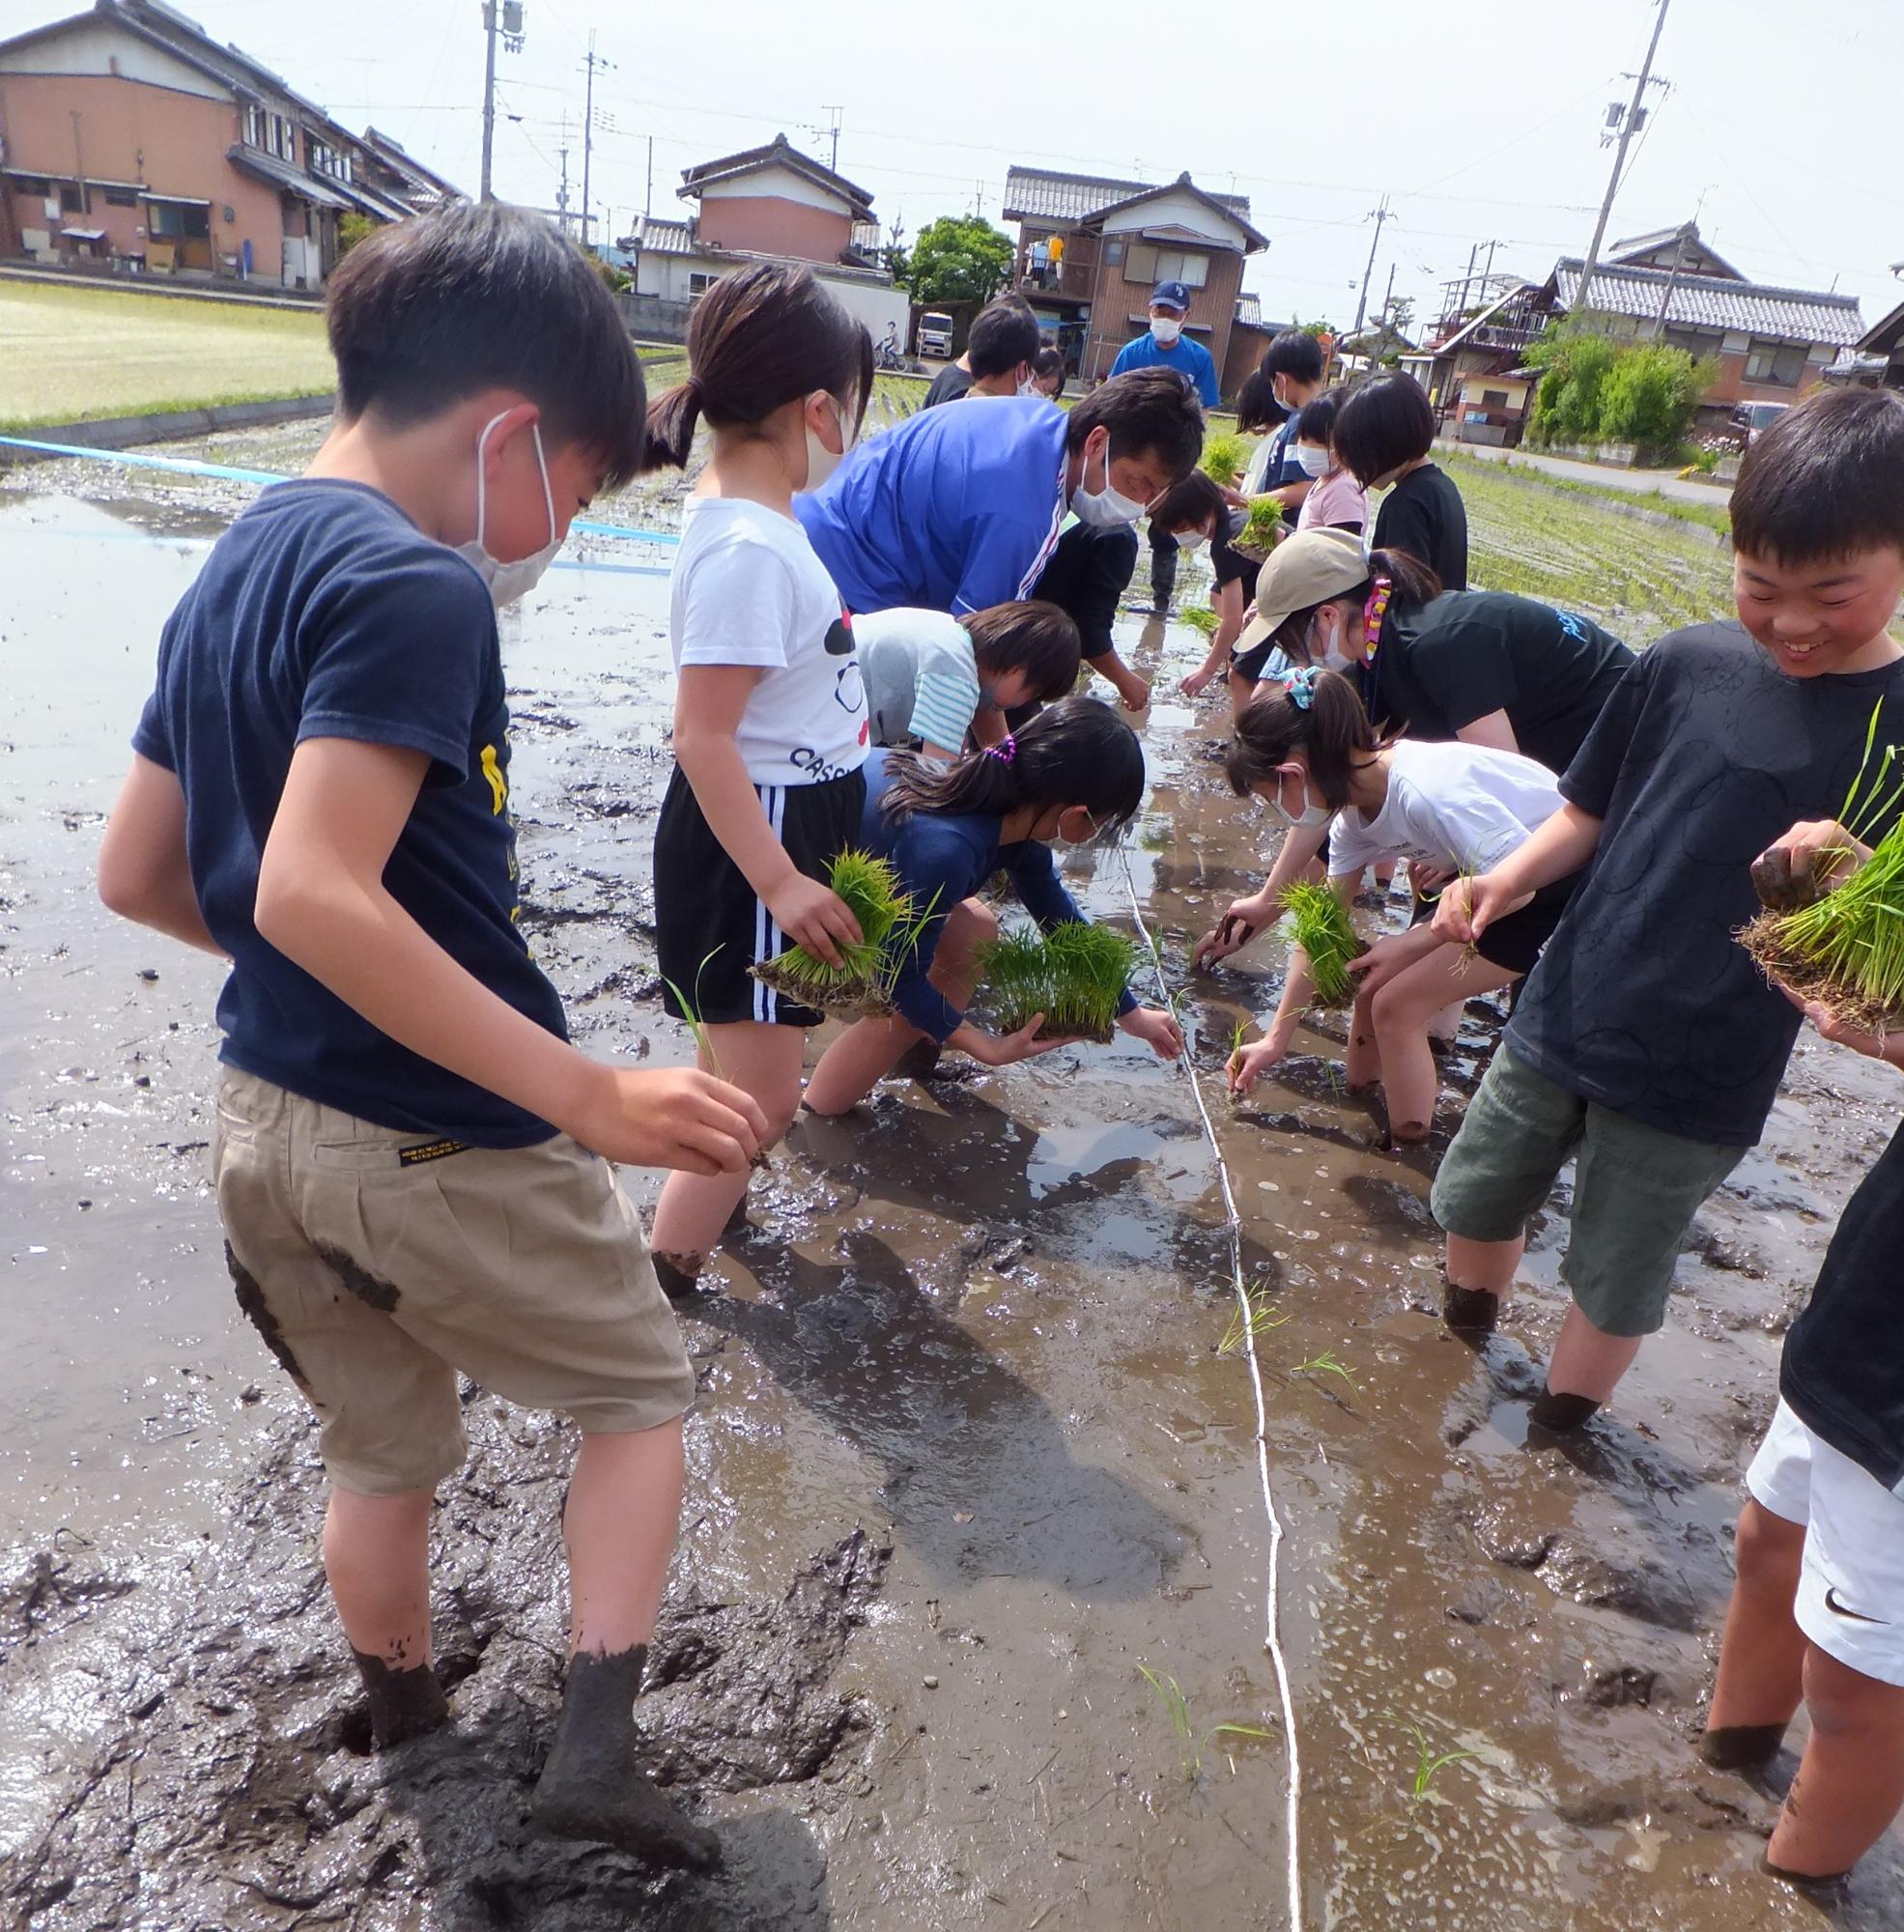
x: 1779, y: 127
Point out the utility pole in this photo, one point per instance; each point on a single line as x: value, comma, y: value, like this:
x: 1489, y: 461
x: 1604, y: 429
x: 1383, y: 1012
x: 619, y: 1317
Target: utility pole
x: 1631, y: 119
x: 79, y: 162
x: 648, y: 199
x: 562, y: 192
x: 593, y: 61
x: 489, y: 93
x: 1377, y: 216
x: 1488, y: 270
x: 1387, y: 300
x: 835, y: 113
x: 1466, y: 282
x: 1672, y: 281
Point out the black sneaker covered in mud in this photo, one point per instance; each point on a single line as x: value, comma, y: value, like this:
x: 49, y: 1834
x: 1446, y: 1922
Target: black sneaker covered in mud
x: 592, y: 1789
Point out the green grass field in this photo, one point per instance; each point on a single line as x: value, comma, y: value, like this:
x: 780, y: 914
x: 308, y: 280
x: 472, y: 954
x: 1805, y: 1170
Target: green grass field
x: 72, y: 354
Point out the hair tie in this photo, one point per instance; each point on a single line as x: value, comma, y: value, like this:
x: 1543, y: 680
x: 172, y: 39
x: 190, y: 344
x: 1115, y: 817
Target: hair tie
x: 1004, y: 750
x: 1302, y: 687
x: 1375, y: 611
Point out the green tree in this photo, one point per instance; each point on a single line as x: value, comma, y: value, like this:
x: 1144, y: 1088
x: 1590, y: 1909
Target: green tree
x: 959, y: 258
x: 352, y: 228
x: 1651, y: 396
x: 1575, y: 363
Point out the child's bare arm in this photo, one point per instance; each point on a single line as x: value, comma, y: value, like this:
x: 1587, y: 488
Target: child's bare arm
x: 143, y: 872
x: 323, y: 903
x: 707, y: 712
x: 1554, y: 850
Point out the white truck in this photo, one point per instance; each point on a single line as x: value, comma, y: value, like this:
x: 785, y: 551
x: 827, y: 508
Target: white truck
x: 935, y: 335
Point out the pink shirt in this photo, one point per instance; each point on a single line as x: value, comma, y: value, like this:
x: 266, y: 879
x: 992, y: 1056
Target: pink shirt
x: 1336, y: 499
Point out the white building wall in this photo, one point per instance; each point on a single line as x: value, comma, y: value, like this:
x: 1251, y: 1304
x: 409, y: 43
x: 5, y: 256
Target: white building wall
x: 875, y: 303
x: 1176, y: 210
x: 93, y: 46
x: 783, y: 184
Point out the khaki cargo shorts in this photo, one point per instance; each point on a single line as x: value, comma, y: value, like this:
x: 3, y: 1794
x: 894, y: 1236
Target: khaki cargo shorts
x: 377, y: 1263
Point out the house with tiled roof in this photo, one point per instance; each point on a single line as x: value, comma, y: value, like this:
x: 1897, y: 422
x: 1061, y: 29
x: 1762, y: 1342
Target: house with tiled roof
x: 1091, y: 247
x: 1764, y: 342
x: 767, y: 204
x: 131, y: 138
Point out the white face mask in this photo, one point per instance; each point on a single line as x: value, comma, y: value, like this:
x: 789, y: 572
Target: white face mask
x: 1313, y: 458
x: 507, y: 581
x: 1310, y: 815
x: 821, y: 462
x: 1332, y: 657
x: 1029, y: 387
x: 1191, y: 540
x: 1166, y: 329
x: 1106, y: 509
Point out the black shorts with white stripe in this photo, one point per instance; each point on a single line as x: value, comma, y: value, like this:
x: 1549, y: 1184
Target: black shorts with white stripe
x: 711, y: 926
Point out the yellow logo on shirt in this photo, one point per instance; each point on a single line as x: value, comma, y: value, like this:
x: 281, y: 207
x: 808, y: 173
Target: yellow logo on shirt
x: 499, y: 786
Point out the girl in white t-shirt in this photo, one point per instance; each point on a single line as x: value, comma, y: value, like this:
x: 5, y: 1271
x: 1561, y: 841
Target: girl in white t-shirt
x: 1452, y: 809
x: 770, y: 715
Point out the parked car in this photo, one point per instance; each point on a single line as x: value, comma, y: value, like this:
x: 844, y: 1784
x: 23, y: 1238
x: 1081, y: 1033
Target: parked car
x: 935, y: 334
x: 1754, y: 419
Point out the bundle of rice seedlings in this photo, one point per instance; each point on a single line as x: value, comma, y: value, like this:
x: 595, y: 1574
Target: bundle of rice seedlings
x: 1845, y: 951
x: 1074, y: 975
x: 1319, y: 922
x: 1258, y: 535
x: 1225, y: 456
x: 1200, y: 618
x: 861, y: 987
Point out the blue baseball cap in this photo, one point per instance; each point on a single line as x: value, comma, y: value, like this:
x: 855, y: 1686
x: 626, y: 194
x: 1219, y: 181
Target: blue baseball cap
x: 1171, y: 294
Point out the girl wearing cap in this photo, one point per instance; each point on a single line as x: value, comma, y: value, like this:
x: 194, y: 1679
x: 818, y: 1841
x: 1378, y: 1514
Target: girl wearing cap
x: 1075, y: 772
x: 1311, y: 754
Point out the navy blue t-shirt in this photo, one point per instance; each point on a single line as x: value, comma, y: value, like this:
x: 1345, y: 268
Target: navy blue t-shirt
x: 323, y: 612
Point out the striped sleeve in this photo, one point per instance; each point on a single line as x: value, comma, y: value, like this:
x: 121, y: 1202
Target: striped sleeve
x: 943, y: 705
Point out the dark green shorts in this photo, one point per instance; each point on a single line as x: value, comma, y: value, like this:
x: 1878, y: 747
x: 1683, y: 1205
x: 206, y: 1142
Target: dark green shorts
x: 1636, y: 1189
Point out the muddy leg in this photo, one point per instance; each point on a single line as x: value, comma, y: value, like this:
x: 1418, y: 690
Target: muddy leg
x: 1850, y: 1785
x: 1761, y: 1662
x: 1361, y: 1061
x: 1479, y: 1274
x: 693, y: 1208
x: 1587, y: 1364
x: 623, y: 1508
x: 376, y: 1556
x: 1402, y: 1012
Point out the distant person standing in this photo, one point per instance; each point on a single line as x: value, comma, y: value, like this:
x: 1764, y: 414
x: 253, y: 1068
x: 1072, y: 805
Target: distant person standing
x: 1286, y: 381
x: 1383, y: 436
x: 998, y: 357
x: 1048, y: 373
x: 1167, y: 347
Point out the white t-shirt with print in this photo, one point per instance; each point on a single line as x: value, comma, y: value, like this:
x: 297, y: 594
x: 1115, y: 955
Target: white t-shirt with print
x: 748, y: 589
x: 1462, y: 807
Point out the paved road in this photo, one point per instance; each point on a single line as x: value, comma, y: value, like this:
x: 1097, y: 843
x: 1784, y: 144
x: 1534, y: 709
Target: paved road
x: 1602, y: 475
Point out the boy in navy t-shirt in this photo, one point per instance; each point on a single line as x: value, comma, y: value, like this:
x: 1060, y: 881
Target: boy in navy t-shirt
x: 411, y: 1162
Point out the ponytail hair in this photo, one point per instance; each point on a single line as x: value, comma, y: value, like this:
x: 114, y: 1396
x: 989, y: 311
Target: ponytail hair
x: 761, y: 338
x: 1076, y: 752
x: 1319, y: 714
x: 1411, y: 582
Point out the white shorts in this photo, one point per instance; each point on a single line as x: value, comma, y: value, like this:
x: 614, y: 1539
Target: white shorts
x: 1850, y: 1590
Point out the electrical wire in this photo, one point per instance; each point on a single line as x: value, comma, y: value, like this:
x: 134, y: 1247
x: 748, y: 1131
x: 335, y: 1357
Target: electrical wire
x: 1272, y: 1637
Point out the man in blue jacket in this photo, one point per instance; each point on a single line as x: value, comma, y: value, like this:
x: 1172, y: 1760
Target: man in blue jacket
x: 1167, y: 347
x: 959, y: 509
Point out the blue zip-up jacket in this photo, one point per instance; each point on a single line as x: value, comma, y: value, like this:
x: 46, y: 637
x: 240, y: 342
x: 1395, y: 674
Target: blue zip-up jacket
x: 956, y: 509
x: 941, y: 858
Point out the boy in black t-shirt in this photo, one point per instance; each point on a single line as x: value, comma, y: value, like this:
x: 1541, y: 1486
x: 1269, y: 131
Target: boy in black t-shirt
x: 1384, y: 438
x: 411, y: 1162
x: 1644, y: 1044
x: 1817, y: 1611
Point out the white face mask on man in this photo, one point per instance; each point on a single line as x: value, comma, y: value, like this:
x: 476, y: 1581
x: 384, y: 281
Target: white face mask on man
x: 1166, y: 329
x: 1106, y: 509
x: 507, y: 581
x: 821, y: 462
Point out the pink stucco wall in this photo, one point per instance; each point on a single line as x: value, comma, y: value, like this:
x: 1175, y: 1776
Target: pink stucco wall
x: 774, y: 226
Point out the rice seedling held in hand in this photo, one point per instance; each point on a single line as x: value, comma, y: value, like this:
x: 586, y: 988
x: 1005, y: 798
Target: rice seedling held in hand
x: 1074, y: 975
x: 1201, y: 618
x: 1319, y: 924
x: 860, y: 986
x: 1258, y: 535
x: 1226, y: 454
x: 1845, y: 949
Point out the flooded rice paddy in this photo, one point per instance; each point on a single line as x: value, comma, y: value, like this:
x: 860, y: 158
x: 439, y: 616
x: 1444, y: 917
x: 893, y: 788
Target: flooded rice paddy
x: 969, y: 1456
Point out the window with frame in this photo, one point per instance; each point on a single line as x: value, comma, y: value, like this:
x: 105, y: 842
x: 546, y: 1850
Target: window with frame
x: 122, y: 197
x: 1145, y: 263
x: 699, y: 283
x: 70, y: 201
x: 1493, y: 399
x: 36, y: 186
x: 1778, y: 364
x: 1696, y: 342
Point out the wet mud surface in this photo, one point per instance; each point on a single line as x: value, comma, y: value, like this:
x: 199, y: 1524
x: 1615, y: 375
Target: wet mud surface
x: 966, y: 1455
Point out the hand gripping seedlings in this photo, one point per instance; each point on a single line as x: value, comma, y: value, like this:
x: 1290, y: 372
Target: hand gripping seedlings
x: 1074, y: 975
x: 1319, y: 922
x: 862, y: 986
x: 1258, y: 536
x: 1845, y: 949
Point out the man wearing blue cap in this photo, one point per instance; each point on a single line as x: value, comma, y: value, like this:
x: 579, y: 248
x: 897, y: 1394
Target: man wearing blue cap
x: 1167, y: 347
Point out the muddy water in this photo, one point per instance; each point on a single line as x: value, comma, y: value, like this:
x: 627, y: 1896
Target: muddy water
x: 967, y: 1453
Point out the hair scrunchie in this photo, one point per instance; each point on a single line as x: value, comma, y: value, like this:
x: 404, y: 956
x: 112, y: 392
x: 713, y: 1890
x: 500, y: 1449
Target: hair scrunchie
x: 1302, y: 687
x: 1004, y: 750
x: 1375, y: 611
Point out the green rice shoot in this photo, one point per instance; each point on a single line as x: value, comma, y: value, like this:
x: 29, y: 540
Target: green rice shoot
x: 1319, y: 922
x: 1226, y: 455
x: 1258, y: 535
x: 1074, y: 975
x: 1200, y: 618
x: 871, y: 892
x: 1846, y: 950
